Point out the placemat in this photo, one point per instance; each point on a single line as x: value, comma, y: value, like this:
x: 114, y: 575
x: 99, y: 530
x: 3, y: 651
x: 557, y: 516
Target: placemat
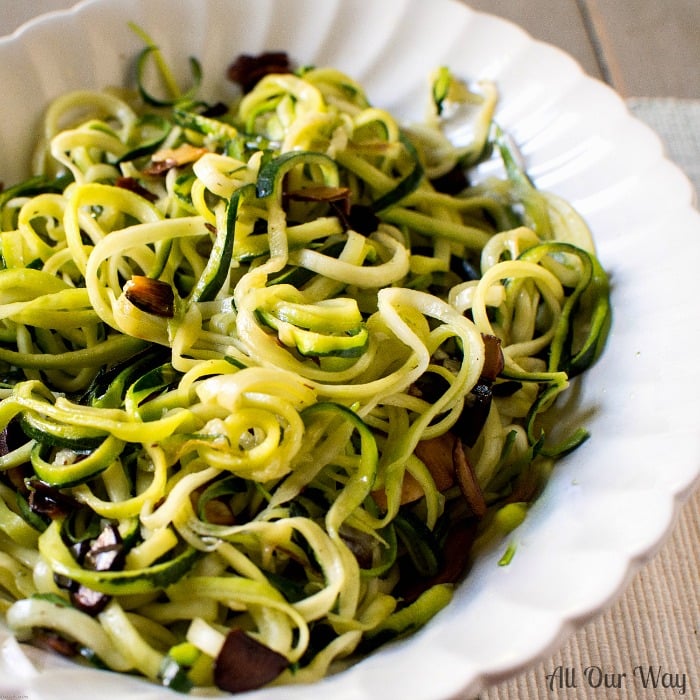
x: 646, y: 645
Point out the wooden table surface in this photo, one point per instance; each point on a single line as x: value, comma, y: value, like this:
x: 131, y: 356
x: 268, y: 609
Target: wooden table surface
x: 642, y: 48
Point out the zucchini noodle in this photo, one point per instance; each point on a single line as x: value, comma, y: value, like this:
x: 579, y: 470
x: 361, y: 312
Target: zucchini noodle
x: 280, y: 367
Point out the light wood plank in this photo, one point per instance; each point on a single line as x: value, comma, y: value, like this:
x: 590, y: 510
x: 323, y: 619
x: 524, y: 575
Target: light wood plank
x: 649, y: 48
x: 558, y: 22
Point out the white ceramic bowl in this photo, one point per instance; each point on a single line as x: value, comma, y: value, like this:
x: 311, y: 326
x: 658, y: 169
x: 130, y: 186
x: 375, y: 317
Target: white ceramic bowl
x: 610, y: 503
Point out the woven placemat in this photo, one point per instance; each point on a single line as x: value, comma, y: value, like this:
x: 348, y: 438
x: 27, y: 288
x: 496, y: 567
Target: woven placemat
x: 646, y: 645
x: 678, y: 124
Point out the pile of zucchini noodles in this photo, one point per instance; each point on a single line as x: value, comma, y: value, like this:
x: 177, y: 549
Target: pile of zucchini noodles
x: 255, y: 346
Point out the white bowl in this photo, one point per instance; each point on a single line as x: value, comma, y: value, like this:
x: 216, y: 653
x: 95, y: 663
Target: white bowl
x: 609, y: 504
